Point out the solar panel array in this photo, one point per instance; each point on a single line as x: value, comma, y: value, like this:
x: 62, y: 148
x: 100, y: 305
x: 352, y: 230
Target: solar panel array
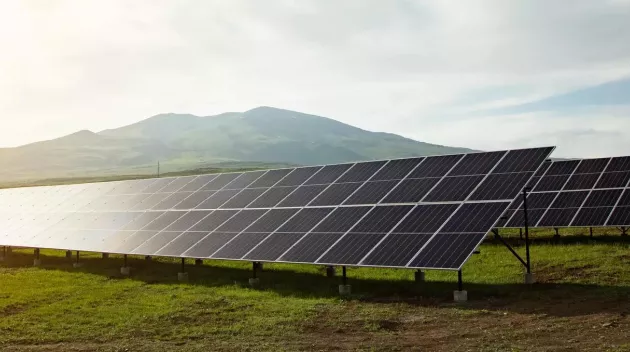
x: 427, y: 212
x: 587, y: 192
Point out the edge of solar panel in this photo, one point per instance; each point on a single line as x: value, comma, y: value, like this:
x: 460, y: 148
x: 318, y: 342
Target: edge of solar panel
x: 263, y: 172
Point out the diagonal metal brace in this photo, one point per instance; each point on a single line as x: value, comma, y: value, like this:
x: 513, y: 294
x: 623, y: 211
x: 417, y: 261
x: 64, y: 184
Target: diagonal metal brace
x: 496, y: 235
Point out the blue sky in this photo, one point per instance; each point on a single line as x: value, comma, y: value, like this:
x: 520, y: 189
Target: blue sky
x: 481, y: 74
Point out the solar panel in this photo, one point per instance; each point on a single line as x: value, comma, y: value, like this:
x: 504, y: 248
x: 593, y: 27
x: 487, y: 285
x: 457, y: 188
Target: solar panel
x: 586, y: 192
x: 426, y: 212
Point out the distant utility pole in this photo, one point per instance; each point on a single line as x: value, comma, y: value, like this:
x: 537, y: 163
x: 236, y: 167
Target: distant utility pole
x: 158, y: 175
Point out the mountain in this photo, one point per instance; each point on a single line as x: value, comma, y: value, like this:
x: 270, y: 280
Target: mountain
x: 179, y: 141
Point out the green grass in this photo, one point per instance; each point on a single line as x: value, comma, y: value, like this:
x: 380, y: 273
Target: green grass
x: 580, y: 303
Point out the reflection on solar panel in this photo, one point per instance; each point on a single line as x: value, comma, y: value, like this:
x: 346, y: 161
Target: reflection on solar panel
x: 425, y: 212
x: 587, y: 192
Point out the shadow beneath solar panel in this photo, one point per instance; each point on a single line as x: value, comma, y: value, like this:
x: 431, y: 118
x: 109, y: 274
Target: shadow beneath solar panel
x: 564, y: 239
x: 556, y: 299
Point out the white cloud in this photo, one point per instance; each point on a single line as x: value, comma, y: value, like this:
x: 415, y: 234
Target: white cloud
x: 399, y: 66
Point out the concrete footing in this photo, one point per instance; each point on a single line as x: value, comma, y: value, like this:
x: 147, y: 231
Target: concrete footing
x: 419, y: 276
x: 69, y: 254
x: 529, y: 279
x: 37, y: 262
x: 105, y: 255
x: 460, y: 296
x: 330, y: 271
x: 182, y: 276
x: 125, y: 270
x: 77, y: 265
x: 254, y: 282
x: 198, y: 262
x: 345, y: 290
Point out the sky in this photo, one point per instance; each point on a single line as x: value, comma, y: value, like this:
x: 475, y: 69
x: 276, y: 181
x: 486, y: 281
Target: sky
x: 480, y: 74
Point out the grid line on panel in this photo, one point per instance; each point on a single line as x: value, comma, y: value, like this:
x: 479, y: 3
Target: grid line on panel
x: 626, y: 189
x: 557, y: 195
x: 184, y: 232
x: 271, y: 233
x: 342, y: 236
x: 209, y: 233
x: 441, y: 178
x: 455, y: 211
x: 301, y: 184
x: 360, y: 182
x: 307, y: 233
x: 266, y: 188
x: 589, y: 192
x: 402, y: 179
x: 330, y: 184
x: 387, y: 234
x: 235, y: 236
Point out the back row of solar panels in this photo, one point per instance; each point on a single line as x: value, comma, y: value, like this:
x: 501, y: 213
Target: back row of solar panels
x: 588, y: 192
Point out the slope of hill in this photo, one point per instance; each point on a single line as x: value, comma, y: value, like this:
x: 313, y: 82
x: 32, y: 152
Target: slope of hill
x: 179, y: 141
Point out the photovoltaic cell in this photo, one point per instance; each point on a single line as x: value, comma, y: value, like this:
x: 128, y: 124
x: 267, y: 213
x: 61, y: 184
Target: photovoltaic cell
x: 270, y: 178
x: 361, y: 171
x: 397, y: 169
x: 302, y: 196
x: 244, y: 180
x: 335, y: 194
x: 209, y: 244
x: 298, y: 176
x: 476, y: 164
x: 243, y: 198
x: 436, y: 166
x: 219, y: 182
x: 453, y: 189
x: 271, y: 197
x: 411, y: 190
x: 213, y: 220
x: 328, y: 174
x: 372, y: 192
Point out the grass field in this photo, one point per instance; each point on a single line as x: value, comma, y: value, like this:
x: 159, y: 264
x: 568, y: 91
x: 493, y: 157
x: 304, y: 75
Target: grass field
x: 580, y: 303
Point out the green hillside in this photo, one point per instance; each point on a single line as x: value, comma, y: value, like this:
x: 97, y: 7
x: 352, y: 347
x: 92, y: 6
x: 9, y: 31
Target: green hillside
x: 180, y: 141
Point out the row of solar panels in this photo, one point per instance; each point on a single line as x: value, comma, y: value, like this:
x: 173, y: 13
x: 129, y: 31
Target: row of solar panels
x: 588, y: 192
x: 419, y: 212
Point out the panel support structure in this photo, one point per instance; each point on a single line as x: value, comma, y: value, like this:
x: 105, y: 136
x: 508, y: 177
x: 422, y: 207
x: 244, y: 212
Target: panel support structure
x: 497, y: 236
x: 529, y: 264
x: 77, y: 263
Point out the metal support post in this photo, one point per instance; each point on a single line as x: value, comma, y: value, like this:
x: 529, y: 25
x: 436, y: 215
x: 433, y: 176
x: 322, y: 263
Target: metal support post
x: 125, y: 260
x: 36, y: 261
x: 344, y: 288
x: 520, y: 232
x: 557, y: 235
x: 254, y: 280
x: 624, y: 231
x: 526, y: 217
x: 183, y: 275
x: 460, y: 295
x: 591, y: 231
x: 76, y: 263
